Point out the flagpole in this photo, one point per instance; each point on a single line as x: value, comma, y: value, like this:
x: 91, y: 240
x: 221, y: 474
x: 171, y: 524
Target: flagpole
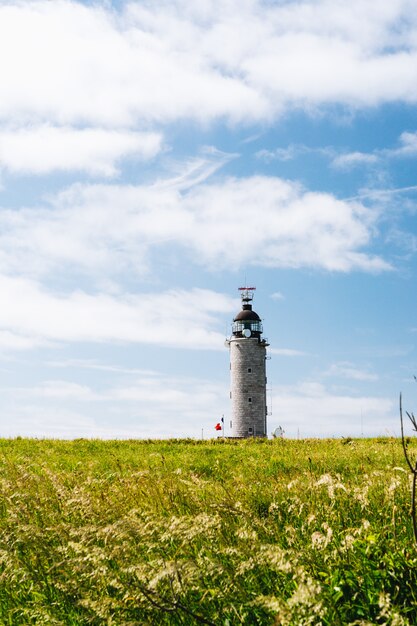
x: 223, y: 424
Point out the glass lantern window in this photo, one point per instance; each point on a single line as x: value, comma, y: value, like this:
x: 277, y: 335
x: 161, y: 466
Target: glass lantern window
x: 253, y: 326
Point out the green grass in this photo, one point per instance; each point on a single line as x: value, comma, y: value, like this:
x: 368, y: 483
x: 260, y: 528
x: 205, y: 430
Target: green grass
x: 216, y: 532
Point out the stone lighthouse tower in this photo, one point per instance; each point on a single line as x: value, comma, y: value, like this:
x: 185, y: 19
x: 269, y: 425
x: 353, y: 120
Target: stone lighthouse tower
x: 248, y: 371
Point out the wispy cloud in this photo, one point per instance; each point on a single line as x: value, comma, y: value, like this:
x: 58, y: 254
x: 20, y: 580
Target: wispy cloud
x: 311, y: 410
x: 354, y: 159
x: 35, y: 316
x: 91, y: 364
x: 277, y: 295
x: 380, y: 194
x: 63, y: 390
x: 156, y: 406
x: 406, y: 149
x: 281, y: 154
x: 350, y: 371
x: 293, y: 151
x: 345, y: 160
x: 286, y: 352
x: 195, y: 171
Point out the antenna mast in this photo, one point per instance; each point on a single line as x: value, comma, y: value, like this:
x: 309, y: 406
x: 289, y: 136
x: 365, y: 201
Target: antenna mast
x: 246, y: 293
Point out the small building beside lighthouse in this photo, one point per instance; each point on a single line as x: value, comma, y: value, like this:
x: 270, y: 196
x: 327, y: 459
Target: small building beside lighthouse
x: 248, y: 371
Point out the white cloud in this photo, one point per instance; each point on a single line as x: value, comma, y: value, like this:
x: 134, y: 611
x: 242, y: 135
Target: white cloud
x: 96, y: 67
x: 408, y: 147
x: 286, y: 352
x: 281, y: 154
x: 71, y: 63
x: 62, y: 390
x: 18, y: 341
x: 28, y: 418
x: 152, y: 406
x: 312, y: 411
x: 91, y: 364
x: 277, y: 295
x: 44, y: 149
x: 30, y: 316
x: 345, y: 160
x: 269, y: 222
x: 259, y: 220
x: 350, y: 371
x: 354, y: 159
x: 292, y: 151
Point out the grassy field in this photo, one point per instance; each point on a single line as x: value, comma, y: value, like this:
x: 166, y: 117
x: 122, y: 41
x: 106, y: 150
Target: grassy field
x: 223, y: 533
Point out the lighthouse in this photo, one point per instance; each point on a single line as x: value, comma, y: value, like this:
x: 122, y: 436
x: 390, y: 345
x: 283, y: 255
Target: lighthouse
x: 248, y: 371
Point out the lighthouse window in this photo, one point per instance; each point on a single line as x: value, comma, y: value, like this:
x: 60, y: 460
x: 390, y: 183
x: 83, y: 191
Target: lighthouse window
x: 249, y: 399
x: 249, y: 370
x: 239, y: 327
x: 250, y: 431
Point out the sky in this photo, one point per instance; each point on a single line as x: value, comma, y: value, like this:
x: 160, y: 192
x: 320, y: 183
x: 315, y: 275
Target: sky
x: 155, y: 156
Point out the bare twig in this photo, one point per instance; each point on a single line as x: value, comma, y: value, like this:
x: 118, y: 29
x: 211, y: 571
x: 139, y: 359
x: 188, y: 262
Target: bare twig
x: 407, y: 458
x: 412, y: 466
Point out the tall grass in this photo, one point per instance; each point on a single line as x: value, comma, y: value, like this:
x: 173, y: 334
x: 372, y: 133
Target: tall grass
x: 216, y: 532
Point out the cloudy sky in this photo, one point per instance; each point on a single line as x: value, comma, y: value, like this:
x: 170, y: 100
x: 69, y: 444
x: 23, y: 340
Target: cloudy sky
x: 154, y: 157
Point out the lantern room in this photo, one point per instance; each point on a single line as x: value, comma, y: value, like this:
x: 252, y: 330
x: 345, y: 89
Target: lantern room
x: 247, y: 322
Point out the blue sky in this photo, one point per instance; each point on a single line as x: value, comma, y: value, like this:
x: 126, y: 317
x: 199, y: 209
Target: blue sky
x: 154, y: 156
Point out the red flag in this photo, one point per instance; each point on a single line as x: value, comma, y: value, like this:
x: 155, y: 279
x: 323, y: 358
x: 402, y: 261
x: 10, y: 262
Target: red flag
x: 217, y: 427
